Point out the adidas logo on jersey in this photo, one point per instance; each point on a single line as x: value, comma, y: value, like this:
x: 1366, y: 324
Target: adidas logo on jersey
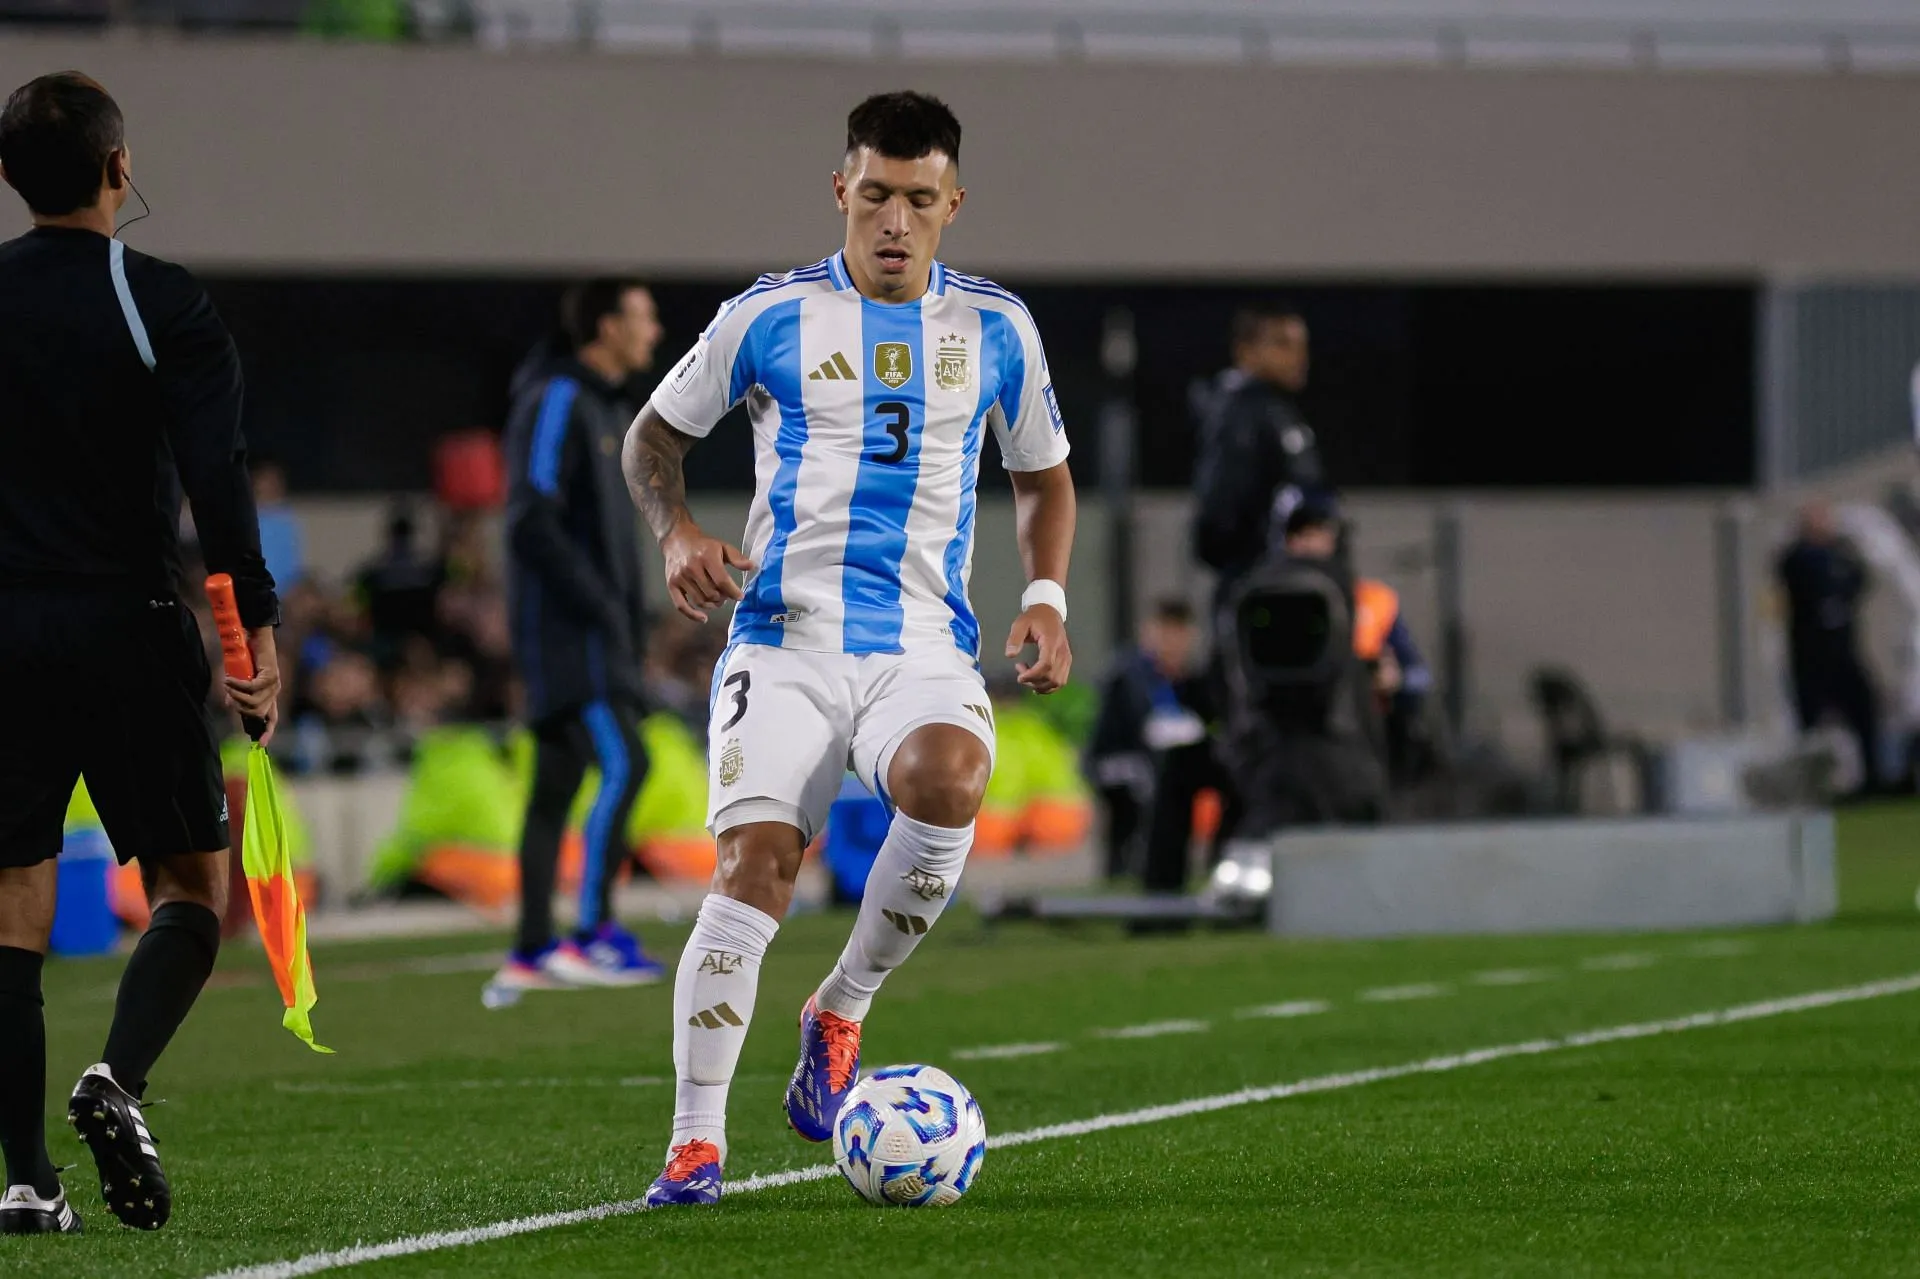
x: 835, y: 370
x: 715, y: 1017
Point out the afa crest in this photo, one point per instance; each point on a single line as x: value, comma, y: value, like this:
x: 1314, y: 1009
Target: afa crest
x: 893, y: 364
x: 733, y: 762
x: 952, y: 364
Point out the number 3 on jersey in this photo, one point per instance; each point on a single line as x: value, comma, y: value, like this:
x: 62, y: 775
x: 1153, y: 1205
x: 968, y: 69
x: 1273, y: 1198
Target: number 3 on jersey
x: 901, y: 421
x: 741, y: 682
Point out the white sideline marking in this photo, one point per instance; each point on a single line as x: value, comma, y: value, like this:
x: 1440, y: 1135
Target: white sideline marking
x: 995, y: 1052
x: 1155, y: 1029
x: 1513, y: 976
x: 434, y: 965
x: 316, y: 1263
x: 1292, y: 1008
x: 1394, y: 994
x: 369, y: 970
x: 1619, y: 962
x: 416, y: 1085
x: 1720, y: 948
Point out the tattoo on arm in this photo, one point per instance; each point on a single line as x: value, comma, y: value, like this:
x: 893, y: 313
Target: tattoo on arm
x: 655, y: 478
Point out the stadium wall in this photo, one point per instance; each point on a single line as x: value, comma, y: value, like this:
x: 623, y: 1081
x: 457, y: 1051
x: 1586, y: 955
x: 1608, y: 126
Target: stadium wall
x: 275, y: 154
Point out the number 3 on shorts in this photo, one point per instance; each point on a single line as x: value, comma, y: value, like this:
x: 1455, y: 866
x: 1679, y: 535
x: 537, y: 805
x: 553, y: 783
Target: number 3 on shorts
x: 741, y: 682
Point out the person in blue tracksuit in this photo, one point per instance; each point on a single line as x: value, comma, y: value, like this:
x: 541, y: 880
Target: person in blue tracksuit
x: 573, y: 578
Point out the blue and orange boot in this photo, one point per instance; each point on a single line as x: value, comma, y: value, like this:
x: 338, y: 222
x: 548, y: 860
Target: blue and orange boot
x: 829, y: 1065
x: 692, y: 1176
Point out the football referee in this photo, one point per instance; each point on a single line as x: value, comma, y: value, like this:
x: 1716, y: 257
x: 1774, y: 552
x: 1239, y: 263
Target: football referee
x: 119, y: 394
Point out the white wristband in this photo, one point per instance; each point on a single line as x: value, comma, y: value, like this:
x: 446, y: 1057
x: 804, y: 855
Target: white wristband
x: 1045, y: 592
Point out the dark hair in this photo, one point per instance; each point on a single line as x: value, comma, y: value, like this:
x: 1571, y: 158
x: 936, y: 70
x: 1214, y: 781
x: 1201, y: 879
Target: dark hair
x: 588, y: 303
x: 904, y: 126
x: 1250, y: 319
x: 1318, y: 508
x: 1174, y: 612
x: 56, y: 133
x: 1307, y: 519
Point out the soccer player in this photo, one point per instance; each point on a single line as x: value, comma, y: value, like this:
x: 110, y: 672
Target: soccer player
x: 871, y: 379
x: 573, y: 573
x: 119, y: 388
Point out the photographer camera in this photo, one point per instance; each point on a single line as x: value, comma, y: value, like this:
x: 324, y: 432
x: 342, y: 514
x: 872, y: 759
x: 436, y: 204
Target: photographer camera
x: 1309, y: 655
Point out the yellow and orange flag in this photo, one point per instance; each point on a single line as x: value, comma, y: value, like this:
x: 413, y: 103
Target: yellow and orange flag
x: 264, y: 854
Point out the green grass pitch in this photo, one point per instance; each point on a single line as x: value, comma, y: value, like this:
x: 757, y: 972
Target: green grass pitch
x: 1786, y: 1145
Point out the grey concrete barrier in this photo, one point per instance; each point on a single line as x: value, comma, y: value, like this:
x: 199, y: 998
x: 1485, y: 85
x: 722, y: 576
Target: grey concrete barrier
x: 1554, y: 876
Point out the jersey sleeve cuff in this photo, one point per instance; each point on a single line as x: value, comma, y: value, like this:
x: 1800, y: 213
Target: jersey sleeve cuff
x: 258, y: 607
x: 1029, y: 462
x: 678, y: 420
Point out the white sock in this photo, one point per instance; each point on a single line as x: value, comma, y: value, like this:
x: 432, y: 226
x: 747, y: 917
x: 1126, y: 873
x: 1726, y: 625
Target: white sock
x: 911, y: 883
x: 713, y: 994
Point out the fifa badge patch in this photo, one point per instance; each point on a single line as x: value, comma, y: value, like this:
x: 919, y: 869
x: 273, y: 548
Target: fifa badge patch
x: 1053, y: 409
x: 683, y: 372
x: 952, y: 365
x: 733, y: 762
x: 893, y: 364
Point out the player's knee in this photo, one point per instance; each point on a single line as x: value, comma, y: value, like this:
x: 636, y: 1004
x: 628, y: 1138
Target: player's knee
x: 757, y: 864
x: 26, y: 906
x: 197, y: 878
x: 939, y: 775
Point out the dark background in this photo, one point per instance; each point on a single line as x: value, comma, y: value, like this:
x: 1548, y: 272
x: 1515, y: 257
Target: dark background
x: 350, y: 380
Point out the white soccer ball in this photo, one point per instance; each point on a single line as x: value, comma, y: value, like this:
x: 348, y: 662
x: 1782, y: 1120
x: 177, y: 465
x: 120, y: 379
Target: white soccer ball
x: 911, y: 1137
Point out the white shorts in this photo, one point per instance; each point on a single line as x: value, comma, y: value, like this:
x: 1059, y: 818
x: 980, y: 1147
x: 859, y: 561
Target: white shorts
x: 786, y: 726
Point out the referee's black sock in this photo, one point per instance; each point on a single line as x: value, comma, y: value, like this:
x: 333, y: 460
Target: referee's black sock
x: 23, y: 1073
x: 164, y: 977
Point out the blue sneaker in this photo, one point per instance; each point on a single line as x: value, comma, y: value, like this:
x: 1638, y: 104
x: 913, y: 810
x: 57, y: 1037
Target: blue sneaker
x: 829, y: 1066
x: 692, y: 1176
x: 608, y: 956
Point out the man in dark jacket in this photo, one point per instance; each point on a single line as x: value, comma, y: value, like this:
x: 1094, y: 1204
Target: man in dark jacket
x: 1824, y: 582
x: 1257, y: 453
x: 574, y: 581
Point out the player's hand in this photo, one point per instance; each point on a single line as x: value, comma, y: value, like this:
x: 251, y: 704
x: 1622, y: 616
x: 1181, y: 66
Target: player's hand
x: 259, y: 697
x: 697, y: 570
x: 1046, y: 630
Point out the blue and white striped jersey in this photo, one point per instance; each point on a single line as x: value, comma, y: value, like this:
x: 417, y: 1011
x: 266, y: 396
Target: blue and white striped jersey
x: 867, y: 423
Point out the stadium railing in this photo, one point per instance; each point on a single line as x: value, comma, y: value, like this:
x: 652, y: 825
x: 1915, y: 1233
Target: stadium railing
x: 1837, y: 35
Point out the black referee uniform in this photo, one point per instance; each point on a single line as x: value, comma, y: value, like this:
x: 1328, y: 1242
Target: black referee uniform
x: 119, y: 390
x: 119, y: 393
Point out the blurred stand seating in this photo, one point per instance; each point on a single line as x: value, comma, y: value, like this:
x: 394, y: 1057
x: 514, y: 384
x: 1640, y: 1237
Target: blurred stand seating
x: 57, y: 13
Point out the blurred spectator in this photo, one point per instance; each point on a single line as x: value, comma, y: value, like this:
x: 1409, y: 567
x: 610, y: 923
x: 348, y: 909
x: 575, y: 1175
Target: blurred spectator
x: 343, y: 726
x: 1824, y: 580
x: 465, y: 551
x: 681, y: 655
x: 1913, y: 399
x: 1257, y: 453
x: 399, y: 589
x: 1150, y: 704
x: 476, y: 637
x: 433, y: 632
x: 280, y: 540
